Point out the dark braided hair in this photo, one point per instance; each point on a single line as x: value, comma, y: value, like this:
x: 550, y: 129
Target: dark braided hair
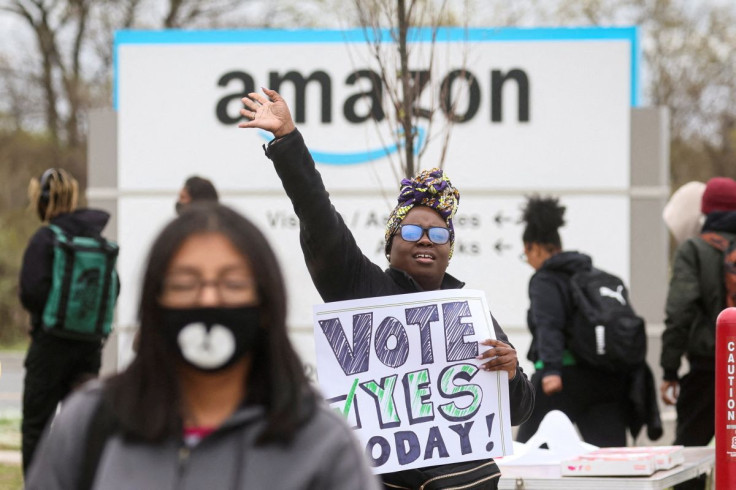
x: 201, y: 189
x: 543, y: 217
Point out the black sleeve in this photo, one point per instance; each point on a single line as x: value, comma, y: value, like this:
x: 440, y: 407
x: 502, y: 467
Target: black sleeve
x: 683, y: 306
x: 547, y: 308
x: 338, y: 268
x: 35, y: 273
x: 521, y: 391
x: 59, y: 461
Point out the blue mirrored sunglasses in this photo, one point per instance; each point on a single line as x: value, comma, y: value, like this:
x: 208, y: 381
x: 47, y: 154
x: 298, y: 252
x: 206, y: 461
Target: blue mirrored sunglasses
x: 436, y: 234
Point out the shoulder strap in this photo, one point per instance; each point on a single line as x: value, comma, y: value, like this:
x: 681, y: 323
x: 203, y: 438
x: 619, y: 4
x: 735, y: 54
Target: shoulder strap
x: 59, y: 233
x: 101, y: 427
x: 62, y: 242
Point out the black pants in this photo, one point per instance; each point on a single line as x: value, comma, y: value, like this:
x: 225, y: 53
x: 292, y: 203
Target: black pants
x: 593, y: 400
x: 696, y: 415
x: 54, y: 366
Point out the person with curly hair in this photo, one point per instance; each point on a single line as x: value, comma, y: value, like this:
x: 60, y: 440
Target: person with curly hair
x: 592, y: 399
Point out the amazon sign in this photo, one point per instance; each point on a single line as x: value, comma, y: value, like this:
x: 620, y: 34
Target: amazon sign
x: 538, y: 107
x: 521, y: 110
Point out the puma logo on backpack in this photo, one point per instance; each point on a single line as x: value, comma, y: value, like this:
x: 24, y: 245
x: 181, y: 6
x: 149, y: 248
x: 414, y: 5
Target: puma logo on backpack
x: 617, y: 294
x: 729, y: 263
x: 605, y: 332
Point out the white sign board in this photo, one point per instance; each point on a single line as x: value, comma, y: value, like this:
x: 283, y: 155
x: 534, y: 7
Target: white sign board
x: 403, y: 371
x: 539, y: 110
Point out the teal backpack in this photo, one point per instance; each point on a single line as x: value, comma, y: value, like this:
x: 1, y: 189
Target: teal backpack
x: 84, y: 287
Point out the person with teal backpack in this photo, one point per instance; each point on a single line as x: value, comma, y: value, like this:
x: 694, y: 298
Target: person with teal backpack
x: 69, y: 286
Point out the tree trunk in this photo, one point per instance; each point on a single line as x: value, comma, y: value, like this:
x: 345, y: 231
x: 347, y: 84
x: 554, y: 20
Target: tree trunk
x: 46, y: 46
x: 406, y: 99
x: 73, y: 83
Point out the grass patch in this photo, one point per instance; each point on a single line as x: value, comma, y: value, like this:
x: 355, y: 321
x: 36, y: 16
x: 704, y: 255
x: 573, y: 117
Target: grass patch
x: 9, y: 435
x: 11, y: 476
x: 17, y: 345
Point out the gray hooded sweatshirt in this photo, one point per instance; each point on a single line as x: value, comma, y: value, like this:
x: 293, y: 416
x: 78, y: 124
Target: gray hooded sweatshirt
x: 323, y: 455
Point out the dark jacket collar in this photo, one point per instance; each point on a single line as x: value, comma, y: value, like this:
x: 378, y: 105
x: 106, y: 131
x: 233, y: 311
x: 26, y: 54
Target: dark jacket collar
x: 568, y: 262
x: 83, y: 221
x: 406, y: 282
x: 720, y: 221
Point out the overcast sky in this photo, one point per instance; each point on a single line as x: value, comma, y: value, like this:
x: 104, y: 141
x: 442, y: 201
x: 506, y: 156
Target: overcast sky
x: 17, y: 43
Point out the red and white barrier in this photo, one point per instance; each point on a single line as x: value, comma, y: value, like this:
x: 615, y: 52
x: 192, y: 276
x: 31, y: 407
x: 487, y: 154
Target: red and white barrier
x: 726, y: 399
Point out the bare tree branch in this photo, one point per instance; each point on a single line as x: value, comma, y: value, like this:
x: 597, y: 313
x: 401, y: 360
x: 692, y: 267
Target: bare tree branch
x: 402, y: 85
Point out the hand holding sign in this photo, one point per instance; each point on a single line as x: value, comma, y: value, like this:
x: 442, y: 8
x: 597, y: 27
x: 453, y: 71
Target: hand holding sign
x: 502, y: 357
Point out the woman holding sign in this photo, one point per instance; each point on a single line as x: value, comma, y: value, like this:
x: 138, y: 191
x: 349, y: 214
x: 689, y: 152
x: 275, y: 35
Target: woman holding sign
x: 216, y: 397
x: 419, y: 242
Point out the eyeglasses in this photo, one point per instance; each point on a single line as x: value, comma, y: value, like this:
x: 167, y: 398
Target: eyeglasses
x: 437, y: 234
x: 185, y: 289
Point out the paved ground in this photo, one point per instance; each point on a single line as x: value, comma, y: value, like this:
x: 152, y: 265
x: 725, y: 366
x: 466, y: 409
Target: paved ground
x: 11, y: 391
x: 11, y: 382
x: 10, y: 457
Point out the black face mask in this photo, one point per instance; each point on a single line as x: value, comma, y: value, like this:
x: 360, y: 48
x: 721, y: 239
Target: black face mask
x: 178, y: 207
x: 212, y: 339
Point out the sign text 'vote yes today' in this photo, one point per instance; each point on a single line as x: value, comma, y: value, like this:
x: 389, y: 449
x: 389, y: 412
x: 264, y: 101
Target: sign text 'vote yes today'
x: 403, y: 371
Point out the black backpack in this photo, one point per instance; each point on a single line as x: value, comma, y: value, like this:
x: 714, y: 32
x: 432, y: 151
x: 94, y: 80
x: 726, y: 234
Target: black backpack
x: 605, y: 332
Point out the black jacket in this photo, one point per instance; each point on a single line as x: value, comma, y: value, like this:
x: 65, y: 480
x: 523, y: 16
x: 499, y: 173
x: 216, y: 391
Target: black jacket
x: 38, y: 259
x: 338, y: 268
x: 695, y: 298
x: 551, y: 308
x: 642, y: 406
x: 550, y: 311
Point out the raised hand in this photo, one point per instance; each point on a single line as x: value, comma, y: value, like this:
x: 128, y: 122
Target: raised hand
x: 271, y: 114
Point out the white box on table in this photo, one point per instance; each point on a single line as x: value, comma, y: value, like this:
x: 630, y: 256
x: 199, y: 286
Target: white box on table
x: 612, y: 464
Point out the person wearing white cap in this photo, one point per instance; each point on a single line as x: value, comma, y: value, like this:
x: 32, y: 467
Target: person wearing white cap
x: 682, y: 213
x: 695, y: 298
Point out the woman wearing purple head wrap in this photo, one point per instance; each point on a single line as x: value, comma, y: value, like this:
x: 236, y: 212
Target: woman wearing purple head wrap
x: 426, y: 202
x: 419, y: 243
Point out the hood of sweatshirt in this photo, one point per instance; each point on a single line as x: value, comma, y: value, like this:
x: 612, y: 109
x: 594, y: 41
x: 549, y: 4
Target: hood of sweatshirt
x: 87, y: 222
x: 568, y: 262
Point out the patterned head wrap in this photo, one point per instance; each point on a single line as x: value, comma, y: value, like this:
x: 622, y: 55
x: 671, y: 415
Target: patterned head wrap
x: 431, y: 188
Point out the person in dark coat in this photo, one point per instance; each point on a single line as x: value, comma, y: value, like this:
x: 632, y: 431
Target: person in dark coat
x: 53, y: 365
x: 418, y: 262
x: 695, y: 297
x: 596, y: 401
x: 196, y: 189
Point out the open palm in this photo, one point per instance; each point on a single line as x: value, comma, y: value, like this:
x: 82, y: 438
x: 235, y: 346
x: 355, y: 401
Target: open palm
x: 271, y: 114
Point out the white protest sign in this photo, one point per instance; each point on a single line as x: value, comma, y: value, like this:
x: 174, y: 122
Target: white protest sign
x: 403, y: 371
